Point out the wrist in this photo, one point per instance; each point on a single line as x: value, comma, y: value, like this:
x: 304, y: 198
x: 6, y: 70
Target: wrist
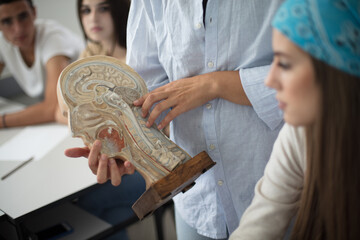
x: 214, y: 87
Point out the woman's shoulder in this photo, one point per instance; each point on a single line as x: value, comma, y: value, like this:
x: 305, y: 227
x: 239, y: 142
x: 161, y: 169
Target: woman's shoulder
x: 290, y: 145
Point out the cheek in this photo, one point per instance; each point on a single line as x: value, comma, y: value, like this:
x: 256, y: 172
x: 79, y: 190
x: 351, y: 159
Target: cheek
x: 30, y: 28
x: 108, y: 23
x: 87, y: 28
x: 300, y: 83
x: 303, y: 99
x: 86, y: 22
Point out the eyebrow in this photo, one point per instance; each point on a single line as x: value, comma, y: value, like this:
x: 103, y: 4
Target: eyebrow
x: 97, y: 5
x: 104, y: 2
x: 281, y: 54
x: 5, y: 19
x: 11, y: 17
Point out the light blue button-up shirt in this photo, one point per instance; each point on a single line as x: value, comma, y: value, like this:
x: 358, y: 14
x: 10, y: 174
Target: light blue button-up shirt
x: 168, y: 40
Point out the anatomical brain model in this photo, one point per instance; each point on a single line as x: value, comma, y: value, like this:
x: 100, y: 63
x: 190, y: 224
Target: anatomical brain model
x: 97, y: 93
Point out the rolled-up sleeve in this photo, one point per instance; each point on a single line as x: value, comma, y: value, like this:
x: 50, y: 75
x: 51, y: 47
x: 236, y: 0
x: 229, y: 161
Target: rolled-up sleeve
x: 261, y: 97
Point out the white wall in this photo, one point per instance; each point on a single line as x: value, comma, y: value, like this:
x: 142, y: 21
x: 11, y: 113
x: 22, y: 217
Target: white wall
x: 63, y: 11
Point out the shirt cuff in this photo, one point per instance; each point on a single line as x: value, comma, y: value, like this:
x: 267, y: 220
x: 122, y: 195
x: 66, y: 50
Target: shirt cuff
x: 261, y: 97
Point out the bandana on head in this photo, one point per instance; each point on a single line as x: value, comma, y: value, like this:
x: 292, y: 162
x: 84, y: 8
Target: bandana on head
x: 328, y: 30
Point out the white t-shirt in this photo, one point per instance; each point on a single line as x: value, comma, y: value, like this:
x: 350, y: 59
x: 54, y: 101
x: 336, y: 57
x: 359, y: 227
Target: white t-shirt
x: 51, y: 40
x: 277, y: 193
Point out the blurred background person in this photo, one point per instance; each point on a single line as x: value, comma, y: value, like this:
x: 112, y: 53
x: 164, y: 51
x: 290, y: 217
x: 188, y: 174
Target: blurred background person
x: 35, y: 51
x: 104, y: 27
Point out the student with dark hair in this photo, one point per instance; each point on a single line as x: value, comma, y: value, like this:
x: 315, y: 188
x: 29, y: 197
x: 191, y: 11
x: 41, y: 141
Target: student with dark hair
x: 35, y: 51
x: 104, y: 27
x: 313, y: 172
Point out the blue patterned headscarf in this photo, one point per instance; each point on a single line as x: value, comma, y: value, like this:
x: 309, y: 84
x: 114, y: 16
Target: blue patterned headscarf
x: 328, y: 30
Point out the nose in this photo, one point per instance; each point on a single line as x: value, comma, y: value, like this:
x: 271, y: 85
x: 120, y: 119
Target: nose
x: 17, y: 27
x: 94, y: 15
x: 271, y: 79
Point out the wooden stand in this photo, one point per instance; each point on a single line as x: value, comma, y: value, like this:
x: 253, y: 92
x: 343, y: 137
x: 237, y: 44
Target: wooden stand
x: 180, y: 179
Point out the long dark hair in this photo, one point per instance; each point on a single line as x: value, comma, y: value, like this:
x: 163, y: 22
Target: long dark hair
x: 119, y: 10
x: 329, y: 207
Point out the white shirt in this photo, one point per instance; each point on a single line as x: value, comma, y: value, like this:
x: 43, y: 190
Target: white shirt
x: 51, y: 40
x: 277, y: 193
x: 167, y: 40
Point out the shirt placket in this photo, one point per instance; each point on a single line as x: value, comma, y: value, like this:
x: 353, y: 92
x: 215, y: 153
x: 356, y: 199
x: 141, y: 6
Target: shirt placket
x: 211, y: 43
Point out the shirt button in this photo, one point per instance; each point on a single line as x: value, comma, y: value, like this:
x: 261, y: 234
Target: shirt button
x: 198, y: 26
x: 208, y: 105
x: 210, y: 64
x: 220, y: 182
x: 212, y: 146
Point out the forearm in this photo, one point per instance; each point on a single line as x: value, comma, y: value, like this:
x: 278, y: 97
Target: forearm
x: 227, y: 85
x: 35, y: 114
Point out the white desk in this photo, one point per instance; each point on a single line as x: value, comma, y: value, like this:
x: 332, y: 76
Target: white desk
x: 43, y: 182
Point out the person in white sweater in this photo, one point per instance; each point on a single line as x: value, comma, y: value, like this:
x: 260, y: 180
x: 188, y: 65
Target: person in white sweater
x: 313, y: 173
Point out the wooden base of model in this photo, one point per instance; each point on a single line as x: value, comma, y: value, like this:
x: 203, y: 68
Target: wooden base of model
x: 179, y: 180
x: 97, y: 95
